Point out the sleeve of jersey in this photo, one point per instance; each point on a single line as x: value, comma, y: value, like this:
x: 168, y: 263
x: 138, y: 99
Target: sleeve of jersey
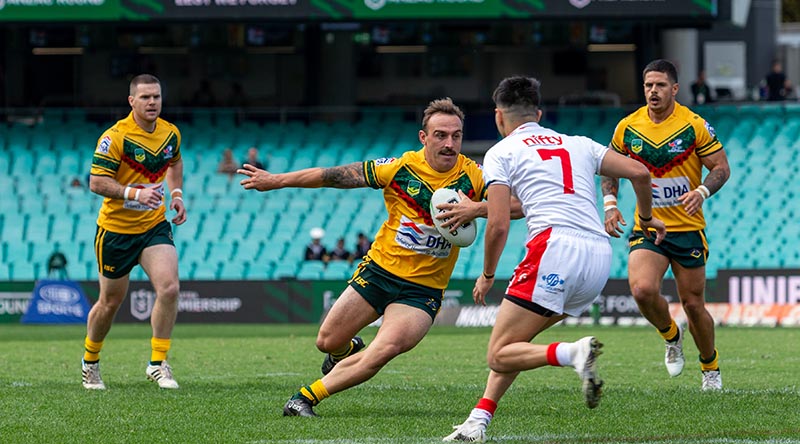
x: 707, y: 142
x: 599, y: 152
x: 618, y: 141
x: 107, y: 155
x: 494, y: 171
x: 177, y: 156
x: 379, y: 173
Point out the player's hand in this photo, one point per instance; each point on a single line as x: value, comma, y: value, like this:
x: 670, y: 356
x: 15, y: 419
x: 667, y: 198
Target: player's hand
x: 151, y: 197
x: 655, y: 224
x: 257, y: 179
x: 458, y: 214
x: 613, y: 221
x: 692, y: 202
x: 482, y: 286
x: 180, y: 209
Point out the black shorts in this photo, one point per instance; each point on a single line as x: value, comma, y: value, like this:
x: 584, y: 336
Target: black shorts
x: 688, y: 248
x: 381, y: 288
x: 117, y: 253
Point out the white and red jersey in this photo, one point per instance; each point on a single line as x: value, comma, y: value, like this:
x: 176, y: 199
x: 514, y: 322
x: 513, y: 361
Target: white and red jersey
x: 551, y: 174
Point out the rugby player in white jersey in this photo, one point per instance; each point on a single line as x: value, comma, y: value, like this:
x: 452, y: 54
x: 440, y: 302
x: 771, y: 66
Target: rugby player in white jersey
x: 568, y: 251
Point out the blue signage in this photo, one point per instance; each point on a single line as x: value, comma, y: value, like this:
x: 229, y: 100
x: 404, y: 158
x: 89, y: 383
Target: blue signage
x: 57, y: 302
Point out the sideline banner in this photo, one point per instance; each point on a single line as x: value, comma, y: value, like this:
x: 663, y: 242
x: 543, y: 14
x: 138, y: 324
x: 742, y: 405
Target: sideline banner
x: 57, y: 302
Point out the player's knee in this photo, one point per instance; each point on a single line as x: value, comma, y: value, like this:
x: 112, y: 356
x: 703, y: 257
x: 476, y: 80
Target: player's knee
x: 169, y: 292
x: 643, y: 293
x: 694, y: 306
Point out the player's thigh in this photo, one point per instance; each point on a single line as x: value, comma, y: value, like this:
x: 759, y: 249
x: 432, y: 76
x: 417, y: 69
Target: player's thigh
x: 402, y: 328
x: 646, y: 270
x: 160, y: 262
x: 348, y: 315
x: 691, y: 282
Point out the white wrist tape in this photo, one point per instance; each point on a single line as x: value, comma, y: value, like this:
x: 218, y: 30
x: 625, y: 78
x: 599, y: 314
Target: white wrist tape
x: 136, y: 197
x: 609, y: 207
x: 609, y: 199
x: 176, y: 190
x: 704, y: 192
x: 126, y: 193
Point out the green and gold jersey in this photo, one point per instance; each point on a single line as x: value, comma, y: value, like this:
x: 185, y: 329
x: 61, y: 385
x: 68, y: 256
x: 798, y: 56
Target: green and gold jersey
x: 407, y: 244
x: 671, y: 150
x: 135, y: 158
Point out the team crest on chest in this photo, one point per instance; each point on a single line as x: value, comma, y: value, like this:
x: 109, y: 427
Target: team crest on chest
x: 636, y: 146
x: 139, y: 155
x: 413, y: 187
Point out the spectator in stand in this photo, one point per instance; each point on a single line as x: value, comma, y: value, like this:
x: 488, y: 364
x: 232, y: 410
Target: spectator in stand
x: 778, y: 85
x: 362, y: 246
x: 252, y: 158
x: 315, y: 251
x: 340, y: 253
x: 227, y: 165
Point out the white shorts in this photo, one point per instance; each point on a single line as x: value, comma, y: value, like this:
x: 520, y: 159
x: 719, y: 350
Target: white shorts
x: 563, y: 271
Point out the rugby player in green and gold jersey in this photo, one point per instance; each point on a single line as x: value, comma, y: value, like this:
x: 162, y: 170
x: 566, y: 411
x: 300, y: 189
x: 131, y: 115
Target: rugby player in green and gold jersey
x: 675, y: 144
x: 408, y: 267
x: 131, y: 162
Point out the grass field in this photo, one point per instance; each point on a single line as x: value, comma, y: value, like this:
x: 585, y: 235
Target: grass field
x: 235, y: 379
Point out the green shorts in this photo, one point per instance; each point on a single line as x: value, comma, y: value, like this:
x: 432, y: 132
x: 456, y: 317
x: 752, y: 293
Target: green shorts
x: 117, y: 253
x: 381, y: 288
x: 688, y: 248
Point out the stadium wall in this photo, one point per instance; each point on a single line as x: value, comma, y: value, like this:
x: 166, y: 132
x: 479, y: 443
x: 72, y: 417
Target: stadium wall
x: 736, y: 297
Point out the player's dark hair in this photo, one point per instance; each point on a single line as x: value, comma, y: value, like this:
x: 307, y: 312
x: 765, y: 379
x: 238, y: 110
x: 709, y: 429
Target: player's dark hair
x: 664, y: 66
x: 142, y: 79
x: 443, y: 106
x: 519, y: 95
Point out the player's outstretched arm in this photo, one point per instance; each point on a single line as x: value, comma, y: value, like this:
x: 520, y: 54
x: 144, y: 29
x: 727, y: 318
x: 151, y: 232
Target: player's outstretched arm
x: 345, y: 176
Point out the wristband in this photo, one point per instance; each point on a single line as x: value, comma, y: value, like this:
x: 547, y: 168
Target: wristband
x: 176, y: 190
x: 178, y: 198
x: 609, y: 207
x: 608, y: 198
x: 704, y: 192
x: 488, y: 276
x: 126, y: 193
x: 136, y: 196
x: 645, y: 219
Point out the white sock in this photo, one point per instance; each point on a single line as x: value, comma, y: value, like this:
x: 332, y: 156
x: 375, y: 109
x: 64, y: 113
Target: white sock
x: 481, y: 415
x: 564, y: 352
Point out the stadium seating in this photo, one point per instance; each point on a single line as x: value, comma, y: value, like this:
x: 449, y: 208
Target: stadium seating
x: 236, y: 234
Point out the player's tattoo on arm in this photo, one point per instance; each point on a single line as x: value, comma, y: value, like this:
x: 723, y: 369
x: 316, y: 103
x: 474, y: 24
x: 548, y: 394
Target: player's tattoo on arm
x: 716, y: 178
x: 346, y: 176
x: 609, y: 185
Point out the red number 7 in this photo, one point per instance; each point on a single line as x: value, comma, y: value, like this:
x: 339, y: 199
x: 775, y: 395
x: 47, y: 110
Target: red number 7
x: 566, y: 165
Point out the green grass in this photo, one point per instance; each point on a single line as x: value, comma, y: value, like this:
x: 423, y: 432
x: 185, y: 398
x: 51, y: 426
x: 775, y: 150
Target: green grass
x: 235, y: 379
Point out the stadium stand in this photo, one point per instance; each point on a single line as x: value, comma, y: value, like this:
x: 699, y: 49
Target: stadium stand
x: 234, y: 234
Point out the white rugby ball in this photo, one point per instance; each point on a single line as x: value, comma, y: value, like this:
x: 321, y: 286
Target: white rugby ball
x: 462, y: 236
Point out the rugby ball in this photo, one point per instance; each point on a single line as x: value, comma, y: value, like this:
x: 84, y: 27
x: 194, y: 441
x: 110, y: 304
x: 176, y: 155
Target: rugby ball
x: 462, y: 236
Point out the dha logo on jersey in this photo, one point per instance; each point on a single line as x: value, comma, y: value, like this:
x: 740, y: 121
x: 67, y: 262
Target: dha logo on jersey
x: 413, y: 187
x: 138, y: 154
x: 104, y: 145
x: 667, y: 191
x: 675, y: 146
x: 168, y: 153
x: 384, y: 160
x: 142, y: 302
x: 552, y: 283
x: 636, y: 146
x: 422, y: 239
